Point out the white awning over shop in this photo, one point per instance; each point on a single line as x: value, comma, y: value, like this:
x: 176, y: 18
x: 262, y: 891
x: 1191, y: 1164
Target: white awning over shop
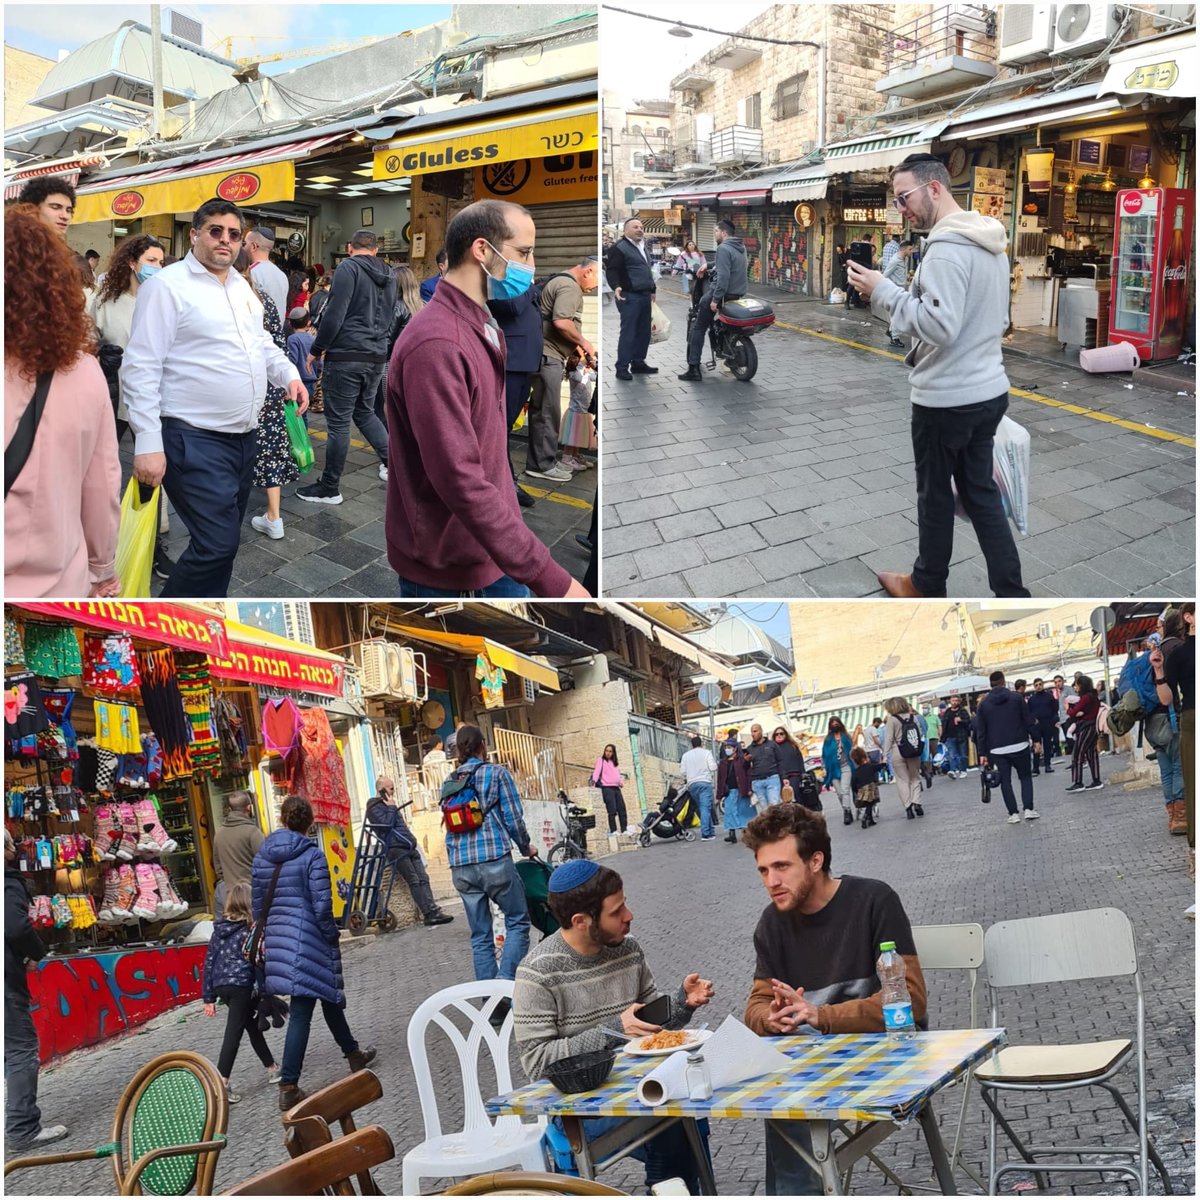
x: 1154, y: 69
x: 809, y: 185
x: 1027, y: 113
x: 883, y: 149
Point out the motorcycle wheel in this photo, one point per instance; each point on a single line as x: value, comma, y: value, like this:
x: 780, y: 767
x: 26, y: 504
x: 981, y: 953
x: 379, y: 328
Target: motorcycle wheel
x: 743, y: 358
x: 644, y: 837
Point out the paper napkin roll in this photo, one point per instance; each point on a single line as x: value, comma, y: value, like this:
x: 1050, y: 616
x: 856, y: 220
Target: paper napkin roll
x: 668, y: 1081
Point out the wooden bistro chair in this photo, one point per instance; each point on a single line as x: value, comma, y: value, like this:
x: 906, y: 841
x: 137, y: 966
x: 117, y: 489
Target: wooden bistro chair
x: 167, y: 1131
x: 328, y: 1168
x: 306, y: 1126
x: 530, y: 1183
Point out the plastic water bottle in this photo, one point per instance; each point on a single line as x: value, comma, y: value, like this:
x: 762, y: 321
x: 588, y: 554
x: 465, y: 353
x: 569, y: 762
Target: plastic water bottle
x: 897, y: 1003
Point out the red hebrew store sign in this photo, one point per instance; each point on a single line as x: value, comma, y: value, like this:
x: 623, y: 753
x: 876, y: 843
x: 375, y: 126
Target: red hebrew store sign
x: 248, y: 662
x: 171, y: 624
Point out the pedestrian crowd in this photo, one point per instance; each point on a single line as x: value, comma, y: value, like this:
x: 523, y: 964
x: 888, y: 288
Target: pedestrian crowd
x: 212, y: 361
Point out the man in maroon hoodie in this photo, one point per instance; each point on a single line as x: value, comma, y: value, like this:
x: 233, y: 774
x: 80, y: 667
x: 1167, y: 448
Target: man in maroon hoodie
x: 453, y: 524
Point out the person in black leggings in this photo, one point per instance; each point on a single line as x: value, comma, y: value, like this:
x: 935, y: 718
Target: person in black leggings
x: 1084, y: 712
x: 607, y: 776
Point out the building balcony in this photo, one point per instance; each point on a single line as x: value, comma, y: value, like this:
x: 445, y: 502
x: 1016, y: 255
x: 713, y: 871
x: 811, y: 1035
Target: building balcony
x: 692, y: 80
x: 660, y: 165
x: 737, y: 144
x: 949, y: 48
x: 693, y: 155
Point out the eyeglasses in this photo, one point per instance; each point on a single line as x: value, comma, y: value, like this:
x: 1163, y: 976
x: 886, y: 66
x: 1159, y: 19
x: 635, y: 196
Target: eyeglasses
x: 218, y: 233
x: 902, y: 197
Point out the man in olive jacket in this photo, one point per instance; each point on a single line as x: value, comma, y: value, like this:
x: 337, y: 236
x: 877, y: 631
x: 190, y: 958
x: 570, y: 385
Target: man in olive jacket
x: 234, y: 847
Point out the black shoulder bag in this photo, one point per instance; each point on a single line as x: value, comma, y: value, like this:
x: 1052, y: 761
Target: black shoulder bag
x: 17, y: 452
x: 254, y: 948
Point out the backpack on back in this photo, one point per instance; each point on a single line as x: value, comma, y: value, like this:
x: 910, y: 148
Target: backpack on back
x: 462, y: 809
x: 910, y: 737
x: 539, y: 286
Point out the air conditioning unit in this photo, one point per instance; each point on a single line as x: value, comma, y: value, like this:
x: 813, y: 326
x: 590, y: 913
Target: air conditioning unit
x: 372, y: 659
x: 1044, y: 630
x: 1084, y: 28
x: 390, y: 670
x: 1174, y: 16
x: 519, y: 691
x: 1026, y: 32
x: 772, y: 156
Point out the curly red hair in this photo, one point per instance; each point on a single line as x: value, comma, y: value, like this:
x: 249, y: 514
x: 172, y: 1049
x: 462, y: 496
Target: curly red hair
x: 46, y: 327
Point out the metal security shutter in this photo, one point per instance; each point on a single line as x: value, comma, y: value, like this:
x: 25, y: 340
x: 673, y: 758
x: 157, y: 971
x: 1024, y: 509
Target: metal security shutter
x: 706, y: 226
x: 567, y: 233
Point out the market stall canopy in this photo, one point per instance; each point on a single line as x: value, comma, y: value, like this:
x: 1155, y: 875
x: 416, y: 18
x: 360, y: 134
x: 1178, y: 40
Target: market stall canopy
x: 811, y: 183
x: 884, y: 148
x: 1155, y: 69
x: 258, y: 657
x: 66, y: 168
x: 1044, y: 110
x: 264, y: 176
x: 956, y: 685
x: 693, y: 654
x: 537, y: 670
x: 184, y: 626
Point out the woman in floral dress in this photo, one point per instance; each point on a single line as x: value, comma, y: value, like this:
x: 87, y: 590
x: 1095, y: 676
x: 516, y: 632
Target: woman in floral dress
x: 274, y: 466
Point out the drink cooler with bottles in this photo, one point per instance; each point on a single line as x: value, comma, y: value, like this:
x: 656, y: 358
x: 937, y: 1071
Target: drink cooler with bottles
x: 1152, y: 246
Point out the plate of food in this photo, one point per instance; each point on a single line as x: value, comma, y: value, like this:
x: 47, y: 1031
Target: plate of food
x: 667, y: 1041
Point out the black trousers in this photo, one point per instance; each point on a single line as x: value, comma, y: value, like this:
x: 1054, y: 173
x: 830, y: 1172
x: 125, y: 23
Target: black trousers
x: 208, y: 481
x: 516, y: 393
x: 1085, y: 751
x: 957, y: 444
x: 614, y: 801
x: 240, y: 1017
x: 22, y: 1117
x: 1047, y: 734
x: 411, y: 869
x: 1006, y: 764
x: 634, y: 340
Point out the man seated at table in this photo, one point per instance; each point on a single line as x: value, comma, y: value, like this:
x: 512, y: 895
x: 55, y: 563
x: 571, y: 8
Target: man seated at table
x: 815, y: 947
x: 585, y: 982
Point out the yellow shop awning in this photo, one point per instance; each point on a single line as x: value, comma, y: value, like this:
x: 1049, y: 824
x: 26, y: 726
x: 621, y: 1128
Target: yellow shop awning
x: 537, y: 670
x: 554, y: 131
x: 252, y: 177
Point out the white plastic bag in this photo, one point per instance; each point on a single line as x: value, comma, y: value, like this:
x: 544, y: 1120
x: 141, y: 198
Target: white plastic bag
x: 837, y: 296
x: 660, y: 324
x: 1010, y: 470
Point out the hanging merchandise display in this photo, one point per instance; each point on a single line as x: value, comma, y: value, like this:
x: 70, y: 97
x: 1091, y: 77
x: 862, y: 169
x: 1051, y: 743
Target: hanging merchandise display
x: 195, y: 687
x: 280, y: 726
x: 164, y: 711
x: 52, y: 650
x: 14, y: 650
x: 109, y: 664
x: 491, y: 681
x: 24, y: 715
x: 117, y: 727
x: 231, y: 733
x: 320, y: 773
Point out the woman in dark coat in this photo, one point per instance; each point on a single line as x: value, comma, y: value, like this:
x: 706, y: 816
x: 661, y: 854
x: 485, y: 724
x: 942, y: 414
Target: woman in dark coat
x: 304, y: 959
x: 793, y: 770
x: 733, y: 786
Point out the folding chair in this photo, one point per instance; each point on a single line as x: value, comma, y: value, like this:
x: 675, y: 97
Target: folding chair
x: 1093, y: 944
x: 945, y: 948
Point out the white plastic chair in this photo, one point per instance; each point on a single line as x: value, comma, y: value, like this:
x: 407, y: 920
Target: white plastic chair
x: 482, y: 1145
x: 1094, y: 944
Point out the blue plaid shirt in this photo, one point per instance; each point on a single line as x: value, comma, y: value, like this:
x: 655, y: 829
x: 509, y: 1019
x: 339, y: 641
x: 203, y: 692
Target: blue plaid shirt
x: 496, y: 791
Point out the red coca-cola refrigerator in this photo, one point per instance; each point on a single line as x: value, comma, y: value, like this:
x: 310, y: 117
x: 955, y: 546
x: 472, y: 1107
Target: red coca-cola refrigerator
x: 1152, y: 245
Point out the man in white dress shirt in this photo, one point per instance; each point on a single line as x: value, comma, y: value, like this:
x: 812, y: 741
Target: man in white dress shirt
x: 194, y: 378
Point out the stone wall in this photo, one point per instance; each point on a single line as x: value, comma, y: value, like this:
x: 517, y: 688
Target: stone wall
x: 23, y: 75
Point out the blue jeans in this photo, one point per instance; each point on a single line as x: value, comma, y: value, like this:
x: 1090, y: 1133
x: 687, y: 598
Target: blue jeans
x: 956, y: 755
x: 350, y: 390
x: 739, y: 812
x: 1170, y: 769
x: 666, y: 1156
x: 770, y: 790
x: 497, y: 880
x: 634, y: 339
x: 702, y: 793
x: 787, y: 1173
x: 299, y: 1024
x: 505, y: 588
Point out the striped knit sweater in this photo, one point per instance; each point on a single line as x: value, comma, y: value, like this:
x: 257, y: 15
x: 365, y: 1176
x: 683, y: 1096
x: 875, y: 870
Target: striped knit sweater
x: 566, y: 1003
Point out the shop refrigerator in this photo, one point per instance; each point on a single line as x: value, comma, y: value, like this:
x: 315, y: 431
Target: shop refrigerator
x: 1152, y: 245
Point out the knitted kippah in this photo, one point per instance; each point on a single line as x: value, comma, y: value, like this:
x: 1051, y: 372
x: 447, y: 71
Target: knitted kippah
x: 572, y: 874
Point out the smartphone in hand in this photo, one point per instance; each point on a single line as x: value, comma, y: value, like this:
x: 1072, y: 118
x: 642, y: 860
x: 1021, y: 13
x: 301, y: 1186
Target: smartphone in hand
x: 657, y: 1012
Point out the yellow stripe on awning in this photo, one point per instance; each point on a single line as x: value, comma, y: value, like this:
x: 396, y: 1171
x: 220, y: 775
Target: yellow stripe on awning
x: 556, y: 131
x: 537, y: 670
x: 261, y: 184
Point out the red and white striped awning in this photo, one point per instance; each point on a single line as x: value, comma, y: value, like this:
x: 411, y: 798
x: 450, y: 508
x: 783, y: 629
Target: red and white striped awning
x: 69, y: 169
x: 228, y: 162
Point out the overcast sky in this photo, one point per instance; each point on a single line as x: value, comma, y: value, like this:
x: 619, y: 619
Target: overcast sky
x: 640, y: 57
x: 49, y: 28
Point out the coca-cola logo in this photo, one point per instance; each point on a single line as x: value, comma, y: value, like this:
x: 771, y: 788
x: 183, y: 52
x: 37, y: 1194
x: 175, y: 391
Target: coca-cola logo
x: 1174, y: 274
x: 239, y: 187
x: 1131, y: 203
x: 127, y: 203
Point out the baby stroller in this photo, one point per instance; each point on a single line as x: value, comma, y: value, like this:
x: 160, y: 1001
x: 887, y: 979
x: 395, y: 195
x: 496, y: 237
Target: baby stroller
x: 672, y: 820
x: 535, y: 878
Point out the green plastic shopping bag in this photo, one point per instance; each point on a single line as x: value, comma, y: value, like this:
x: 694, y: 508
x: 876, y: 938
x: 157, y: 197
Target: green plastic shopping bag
x: 135, y: 539
x: 302, y: 451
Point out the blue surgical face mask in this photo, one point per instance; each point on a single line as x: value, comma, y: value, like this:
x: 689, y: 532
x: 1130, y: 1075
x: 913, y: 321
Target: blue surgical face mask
x: 516, y: 282
x: 145, y: 272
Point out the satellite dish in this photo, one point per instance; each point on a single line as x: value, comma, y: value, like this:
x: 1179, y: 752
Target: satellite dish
x: 295, y: 242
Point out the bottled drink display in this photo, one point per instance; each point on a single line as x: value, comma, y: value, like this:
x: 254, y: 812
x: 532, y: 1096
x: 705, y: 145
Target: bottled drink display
x: 1174, y: 293
x: 897, y: 1004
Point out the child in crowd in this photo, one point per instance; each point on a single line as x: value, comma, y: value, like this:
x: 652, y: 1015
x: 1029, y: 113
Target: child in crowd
x: 578, y: 433
x: 299, y: 345
x: 229, y: 977
x: 864, y: 785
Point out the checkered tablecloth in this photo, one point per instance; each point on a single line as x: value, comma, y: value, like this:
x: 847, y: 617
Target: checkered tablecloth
x: 841, y: 1077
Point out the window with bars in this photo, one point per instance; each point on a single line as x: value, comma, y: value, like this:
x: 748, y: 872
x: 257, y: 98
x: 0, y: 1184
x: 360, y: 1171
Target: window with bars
x: 789, y: 97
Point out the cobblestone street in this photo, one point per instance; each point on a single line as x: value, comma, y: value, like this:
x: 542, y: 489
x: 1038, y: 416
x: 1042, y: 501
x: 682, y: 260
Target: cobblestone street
x: 800, y: 483
x: 695, y: 906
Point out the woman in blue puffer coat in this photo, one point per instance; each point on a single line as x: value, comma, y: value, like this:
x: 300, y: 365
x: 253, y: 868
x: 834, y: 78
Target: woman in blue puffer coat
x: 304, y: 959
x: 835, y: 757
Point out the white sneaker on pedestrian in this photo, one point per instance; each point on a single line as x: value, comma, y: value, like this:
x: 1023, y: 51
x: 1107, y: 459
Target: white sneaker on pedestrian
x: 46, y: 1135
x: 1031, y: 814
x: 556, y: 473
x: 383, y: 472
x: 273, y: 529
x: 1015, y: 819
x: 632, y: 831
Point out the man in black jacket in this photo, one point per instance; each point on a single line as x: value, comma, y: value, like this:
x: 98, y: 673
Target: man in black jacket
x: 1043, y: 708
x: 956, y: 727
x: 352, y: 341
x: 766, y: 770
x: 1003, y: 725
x: 23, y: 1128
x: 631, y: 277
x: 729, y: 283
x: 390, y: 827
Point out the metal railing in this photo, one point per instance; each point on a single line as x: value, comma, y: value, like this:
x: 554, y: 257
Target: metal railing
x: 660, y: 740
x: 737, y: 143
x: 694, y: 153
x: 536, y: 763
x: 965, y: 30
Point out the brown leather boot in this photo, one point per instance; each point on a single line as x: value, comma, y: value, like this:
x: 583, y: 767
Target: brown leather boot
x: 361, y: 1058
x: 899, y: 585
x: 289, y: 1096
x: 1177, y: 817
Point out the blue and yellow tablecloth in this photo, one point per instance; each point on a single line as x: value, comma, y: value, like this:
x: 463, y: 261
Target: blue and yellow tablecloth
x: 840, y: 1077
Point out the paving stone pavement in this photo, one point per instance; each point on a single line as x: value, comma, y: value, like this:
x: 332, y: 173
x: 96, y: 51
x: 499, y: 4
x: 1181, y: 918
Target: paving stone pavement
x: 695, y: 906
x: 800, y: 483
x: 340, y: 551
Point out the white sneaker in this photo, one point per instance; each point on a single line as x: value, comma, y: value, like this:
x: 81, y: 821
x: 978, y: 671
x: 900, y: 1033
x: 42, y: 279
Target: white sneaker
x: 556, y: 473
x: 383, y: 472
x: 1190, y: 912
x: 1031, y: 815
x: 632, y: 831
x: 1015, y: 819
x: 273, y: 529
x: 46, y: 1135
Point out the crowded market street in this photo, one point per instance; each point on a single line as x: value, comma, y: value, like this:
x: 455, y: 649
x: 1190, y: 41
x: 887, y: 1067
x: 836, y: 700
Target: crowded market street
x: 766, y: 488
x: 694, y: 906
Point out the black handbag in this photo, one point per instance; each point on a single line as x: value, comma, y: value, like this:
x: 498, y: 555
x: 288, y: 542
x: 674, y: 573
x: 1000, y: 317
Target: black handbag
x: 17, y: 452
x: 254, y: 948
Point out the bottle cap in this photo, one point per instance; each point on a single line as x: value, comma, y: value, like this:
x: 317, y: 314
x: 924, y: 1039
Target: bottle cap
x: 887, y: 945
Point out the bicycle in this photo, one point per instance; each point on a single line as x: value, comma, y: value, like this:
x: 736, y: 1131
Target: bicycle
x: 577, y: 821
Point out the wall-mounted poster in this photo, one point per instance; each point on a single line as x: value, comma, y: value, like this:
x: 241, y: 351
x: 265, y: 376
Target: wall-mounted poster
x: 989, y: 204
x: 1064, y: 150
x: 1117, y: 157
x: 1087, y: 151
x: 989, y: 179
x: 1139, y: 158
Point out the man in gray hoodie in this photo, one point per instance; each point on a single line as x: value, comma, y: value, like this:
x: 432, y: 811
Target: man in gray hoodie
x: 729, y: 283
x: 956, y: 312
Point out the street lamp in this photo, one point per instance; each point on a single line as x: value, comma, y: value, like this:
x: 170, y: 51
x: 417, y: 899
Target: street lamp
x: 679, y: 31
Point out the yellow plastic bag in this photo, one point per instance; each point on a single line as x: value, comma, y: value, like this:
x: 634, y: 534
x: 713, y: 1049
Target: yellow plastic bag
x: 135, y: 541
